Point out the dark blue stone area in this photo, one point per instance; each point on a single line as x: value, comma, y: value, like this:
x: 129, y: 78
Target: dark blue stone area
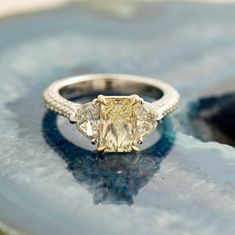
x: 218, y: 115
x: 52, y: 181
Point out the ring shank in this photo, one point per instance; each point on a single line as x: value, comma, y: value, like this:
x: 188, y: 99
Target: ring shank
x: 109, y: 86
x: 57, y: 95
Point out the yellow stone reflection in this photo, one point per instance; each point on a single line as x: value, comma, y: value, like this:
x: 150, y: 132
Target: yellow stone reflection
x: 117, y: 129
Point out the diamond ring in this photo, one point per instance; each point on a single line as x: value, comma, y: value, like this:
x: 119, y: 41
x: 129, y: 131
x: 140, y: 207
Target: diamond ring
x: 118, y: 119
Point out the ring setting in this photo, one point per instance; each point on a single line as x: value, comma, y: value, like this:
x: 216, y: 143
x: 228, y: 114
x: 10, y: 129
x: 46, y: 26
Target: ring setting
x: 116, y: 123
x: 113, y: 123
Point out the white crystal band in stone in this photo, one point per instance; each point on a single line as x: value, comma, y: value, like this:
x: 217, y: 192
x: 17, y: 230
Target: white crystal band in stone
x: 114, y: 123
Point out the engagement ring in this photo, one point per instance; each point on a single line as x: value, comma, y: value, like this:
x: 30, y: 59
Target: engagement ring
x: 118, y: 119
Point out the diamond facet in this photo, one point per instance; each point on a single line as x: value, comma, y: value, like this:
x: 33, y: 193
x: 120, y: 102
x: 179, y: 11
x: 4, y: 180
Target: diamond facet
x: 146, y: 120
x: 117, y: 131
x: 88, y: 120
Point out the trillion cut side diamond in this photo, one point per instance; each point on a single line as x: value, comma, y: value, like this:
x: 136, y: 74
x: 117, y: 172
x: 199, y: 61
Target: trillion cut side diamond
x: 88, y: 120
x: 146, y: 120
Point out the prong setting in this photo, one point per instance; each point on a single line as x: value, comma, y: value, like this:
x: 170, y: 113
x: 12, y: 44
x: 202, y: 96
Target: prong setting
x: 136, y: 100
x: 141, y: 101
x: 95, y: 102
x: 101, y: 148
x: 102, y: 99
x: 72, y: 118
x: 94, y: 141
x: 135, y: 148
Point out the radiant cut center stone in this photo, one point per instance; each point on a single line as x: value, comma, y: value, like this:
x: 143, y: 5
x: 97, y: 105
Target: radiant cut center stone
x: 117, y: 123
x: 117, y: 129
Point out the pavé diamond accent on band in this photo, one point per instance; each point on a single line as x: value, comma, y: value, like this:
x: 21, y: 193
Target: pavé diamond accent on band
x: 114, y: 123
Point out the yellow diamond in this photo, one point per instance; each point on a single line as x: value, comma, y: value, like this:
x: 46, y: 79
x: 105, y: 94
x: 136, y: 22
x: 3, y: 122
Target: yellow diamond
x: 117, y: 129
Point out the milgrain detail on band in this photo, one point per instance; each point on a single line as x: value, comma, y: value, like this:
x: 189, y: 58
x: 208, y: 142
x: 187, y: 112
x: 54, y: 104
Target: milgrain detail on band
x: 169, y: 102
x: 55, y: 102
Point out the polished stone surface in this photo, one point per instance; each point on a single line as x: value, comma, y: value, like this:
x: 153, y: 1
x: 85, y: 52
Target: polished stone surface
x: 50, y: 180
